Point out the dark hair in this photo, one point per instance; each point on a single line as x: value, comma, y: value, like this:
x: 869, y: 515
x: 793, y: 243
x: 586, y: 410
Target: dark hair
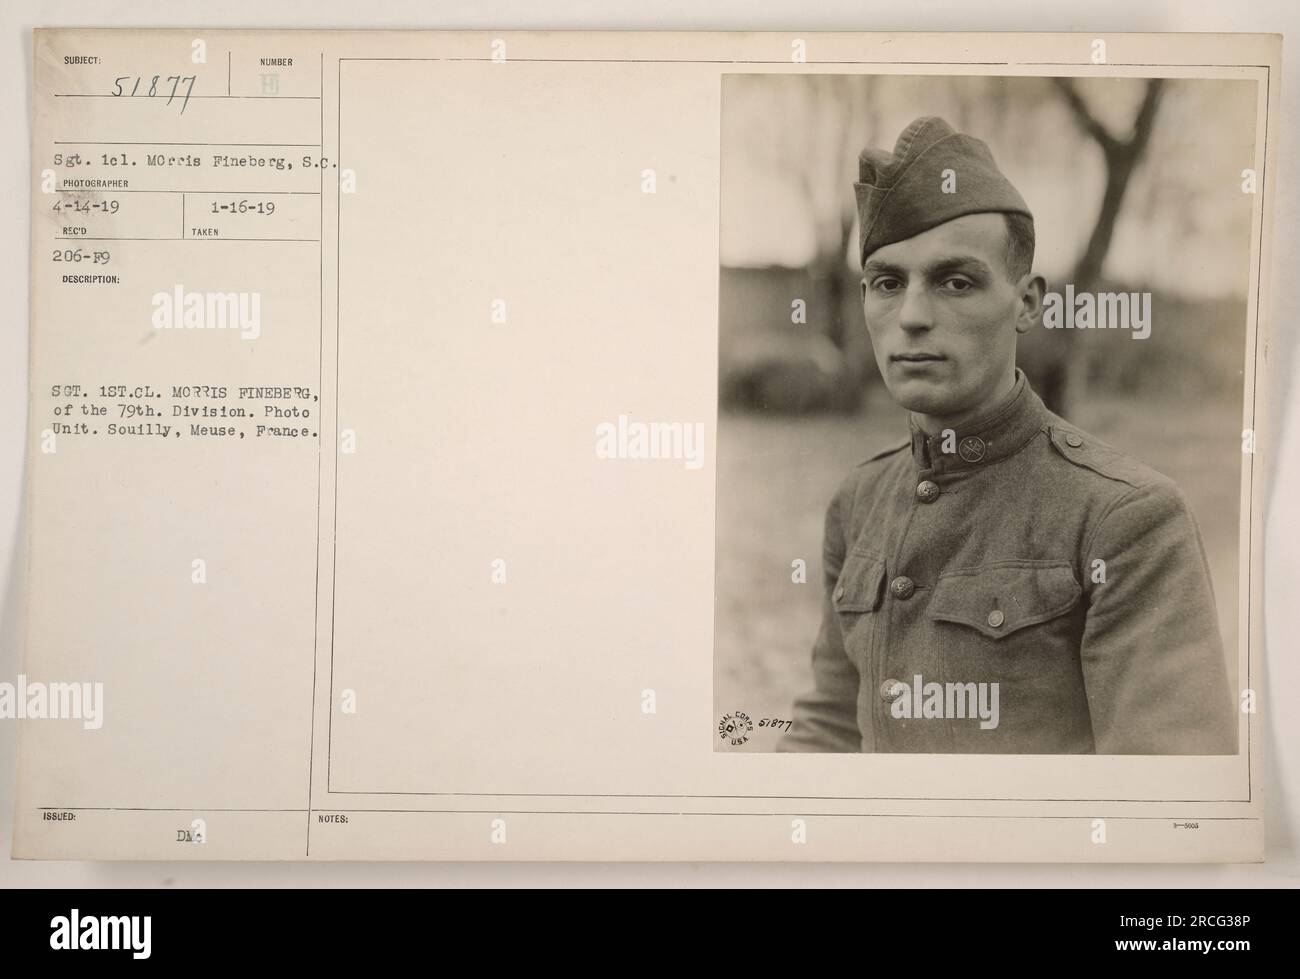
x: 1020, y: 243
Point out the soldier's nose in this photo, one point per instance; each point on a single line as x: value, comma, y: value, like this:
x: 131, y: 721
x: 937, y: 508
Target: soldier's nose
x: 915, y: 313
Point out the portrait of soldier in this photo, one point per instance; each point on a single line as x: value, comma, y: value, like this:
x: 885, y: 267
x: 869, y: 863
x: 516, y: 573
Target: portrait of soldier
x: 1003, y: 582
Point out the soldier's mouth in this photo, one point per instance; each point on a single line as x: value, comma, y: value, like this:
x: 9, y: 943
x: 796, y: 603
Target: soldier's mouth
x: 916, y: 358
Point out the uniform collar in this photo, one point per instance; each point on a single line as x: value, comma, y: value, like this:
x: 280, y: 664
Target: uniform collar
x: 986, y: 439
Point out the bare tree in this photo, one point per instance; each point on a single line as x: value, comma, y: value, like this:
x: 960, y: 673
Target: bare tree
x: 1122, y: 156
x: 843, y: 107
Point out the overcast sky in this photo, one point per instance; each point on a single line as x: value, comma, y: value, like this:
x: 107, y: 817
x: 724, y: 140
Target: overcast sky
x: 1185, y: 226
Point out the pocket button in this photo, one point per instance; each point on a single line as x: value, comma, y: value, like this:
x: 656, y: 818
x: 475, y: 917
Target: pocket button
x: 902, y: 587
x: 996, y: 618
x: 890, y: 691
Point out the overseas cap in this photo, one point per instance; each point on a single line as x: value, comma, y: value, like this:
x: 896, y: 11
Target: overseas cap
x: 901, y: 194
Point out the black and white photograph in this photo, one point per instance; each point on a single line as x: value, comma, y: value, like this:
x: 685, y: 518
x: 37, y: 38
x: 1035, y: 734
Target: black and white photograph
x: 982, y: 436
x: 749, y: 447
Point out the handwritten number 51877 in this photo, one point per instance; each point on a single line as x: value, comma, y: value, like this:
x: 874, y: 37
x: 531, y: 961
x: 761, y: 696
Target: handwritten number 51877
x: 153, y: 89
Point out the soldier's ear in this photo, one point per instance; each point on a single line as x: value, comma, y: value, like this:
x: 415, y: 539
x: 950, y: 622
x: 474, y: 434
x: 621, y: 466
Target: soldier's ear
x: 1029, y: 313
x: 863, y: 290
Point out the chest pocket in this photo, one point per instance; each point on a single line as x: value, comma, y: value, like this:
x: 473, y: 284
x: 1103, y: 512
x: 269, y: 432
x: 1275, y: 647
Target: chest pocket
x: 860, y: 584
x: 1001, y: 598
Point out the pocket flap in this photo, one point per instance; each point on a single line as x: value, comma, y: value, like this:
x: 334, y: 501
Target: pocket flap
x: 997, y: 599
x: 860, y: 583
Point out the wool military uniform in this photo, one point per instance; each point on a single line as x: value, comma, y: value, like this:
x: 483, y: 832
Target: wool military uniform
x: 1015, y: 561
x: 979, y: 565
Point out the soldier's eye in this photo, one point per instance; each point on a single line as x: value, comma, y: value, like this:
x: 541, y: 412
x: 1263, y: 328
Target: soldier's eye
x: 886, y: 284
x: 957, y: 283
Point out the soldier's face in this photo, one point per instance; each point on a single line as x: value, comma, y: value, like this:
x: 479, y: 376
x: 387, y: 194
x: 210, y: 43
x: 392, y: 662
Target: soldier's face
x: 943, y: 311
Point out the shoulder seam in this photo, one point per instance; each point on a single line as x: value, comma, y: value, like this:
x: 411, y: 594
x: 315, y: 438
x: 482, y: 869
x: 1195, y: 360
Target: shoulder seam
x: 1101, y: 521
x: 1083, y: 463
x: 885, y: 452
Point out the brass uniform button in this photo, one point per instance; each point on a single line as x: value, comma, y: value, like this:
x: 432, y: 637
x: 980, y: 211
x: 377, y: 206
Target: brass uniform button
x: 1073, y: 441
x: 890, y: 691
x: 927, y: 491
x: 902, y: 587
x: 996, y: 618
x: 839, y: 592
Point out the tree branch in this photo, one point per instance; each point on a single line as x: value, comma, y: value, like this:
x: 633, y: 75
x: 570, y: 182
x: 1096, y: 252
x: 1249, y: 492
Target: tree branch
x: 1084, y: 117
x: 1146, y: 115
